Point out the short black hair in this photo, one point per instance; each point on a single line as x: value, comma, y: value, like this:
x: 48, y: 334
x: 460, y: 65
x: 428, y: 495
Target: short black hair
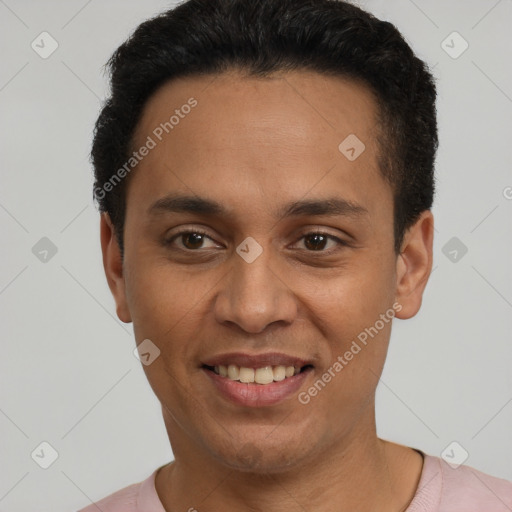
x: 260, y: 37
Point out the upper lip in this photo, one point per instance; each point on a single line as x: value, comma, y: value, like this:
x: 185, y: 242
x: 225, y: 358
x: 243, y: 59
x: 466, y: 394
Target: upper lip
x: 256, y: 360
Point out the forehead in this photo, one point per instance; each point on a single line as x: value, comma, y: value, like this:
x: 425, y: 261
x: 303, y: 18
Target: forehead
x: 265, y: 137
x: 309, y: 102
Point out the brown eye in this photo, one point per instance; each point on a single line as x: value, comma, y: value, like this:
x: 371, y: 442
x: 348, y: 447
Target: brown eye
x: 189, y: 240
x: 317, y: 241
x: 192, y: 240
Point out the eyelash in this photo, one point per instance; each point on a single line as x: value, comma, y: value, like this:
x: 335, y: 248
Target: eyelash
x: 339, y: 241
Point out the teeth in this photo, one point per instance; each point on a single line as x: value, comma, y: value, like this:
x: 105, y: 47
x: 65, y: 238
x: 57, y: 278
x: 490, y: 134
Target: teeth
x: 279, y: 373
x: 246, y: 374
x: 233, y: 372
x: 264, y: 375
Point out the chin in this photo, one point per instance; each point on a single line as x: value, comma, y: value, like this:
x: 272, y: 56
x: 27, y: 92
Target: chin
x: 265, y: 457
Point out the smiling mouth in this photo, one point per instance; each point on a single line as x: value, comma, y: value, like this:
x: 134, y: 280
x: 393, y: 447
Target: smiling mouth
x: 262, y: 375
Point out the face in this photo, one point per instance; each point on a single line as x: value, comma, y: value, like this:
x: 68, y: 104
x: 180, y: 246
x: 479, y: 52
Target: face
x: 281, y: 255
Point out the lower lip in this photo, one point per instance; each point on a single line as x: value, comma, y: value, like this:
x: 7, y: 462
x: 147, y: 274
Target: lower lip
x: 257, y: 395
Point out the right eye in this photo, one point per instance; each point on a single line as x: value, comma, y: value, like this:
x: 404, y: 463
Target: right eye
x: 191, y: 240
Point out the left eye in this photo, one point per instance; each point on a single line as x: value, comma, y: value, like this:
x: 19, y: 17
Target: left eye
x: 317, y: 241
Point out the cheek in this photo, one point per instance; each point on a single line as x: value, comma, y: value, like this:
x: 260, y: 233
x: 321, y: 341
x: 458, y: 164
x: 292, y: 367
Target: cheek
x: 358, y: 342
x: 345, y: 304
x: 170, y: 307
x: 165, y: 306
x: 348, y: 314
x: 162, y: 298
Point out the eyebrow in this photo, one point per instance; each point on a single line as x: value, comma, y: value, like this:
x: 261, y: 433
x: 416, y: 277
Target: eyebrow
x: 332, y: 206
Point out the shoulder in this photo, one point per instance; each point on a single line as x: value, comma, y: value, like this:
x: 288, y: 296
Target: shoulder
x: 476, y: 490
x: 137, y: 497
x: 443, y: 488
x: 124, y: 500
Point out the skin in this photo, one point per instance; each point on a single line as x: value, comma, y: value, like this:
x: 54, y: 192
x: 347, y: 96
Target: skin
x: 254, y: 145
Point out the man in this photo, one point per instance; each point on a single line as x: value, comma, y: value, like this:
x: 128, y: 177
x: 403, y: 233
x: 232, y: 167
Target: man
x: 265, y: 174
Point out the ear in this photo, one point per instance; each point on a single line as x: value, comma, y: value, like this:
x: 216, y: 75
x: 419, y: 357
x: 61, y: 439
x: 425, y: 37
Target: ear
x: 113, y: 265
x: 414, y: 265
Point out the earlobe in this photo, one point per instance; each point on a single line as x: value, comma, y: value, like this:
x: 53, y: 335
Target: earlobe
x: 113, y: 266
x: 414, y: 265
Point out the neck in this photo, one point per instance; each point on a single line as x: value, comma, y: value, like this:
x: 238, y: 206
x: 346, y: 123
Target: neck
x: 361, y: 472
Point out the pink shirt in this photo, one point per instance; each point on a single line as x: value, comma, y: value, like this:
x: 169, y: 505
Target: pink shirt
x: 441, y: 489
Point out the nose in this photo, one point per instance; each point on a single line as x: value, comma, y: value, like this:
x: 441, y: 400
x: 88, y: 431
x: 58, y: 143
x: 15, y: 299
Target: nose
x: 255, y: 295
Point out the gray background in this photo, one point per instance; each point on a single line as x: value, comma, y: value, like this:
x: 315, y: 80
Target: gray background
x: 68, y: 374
